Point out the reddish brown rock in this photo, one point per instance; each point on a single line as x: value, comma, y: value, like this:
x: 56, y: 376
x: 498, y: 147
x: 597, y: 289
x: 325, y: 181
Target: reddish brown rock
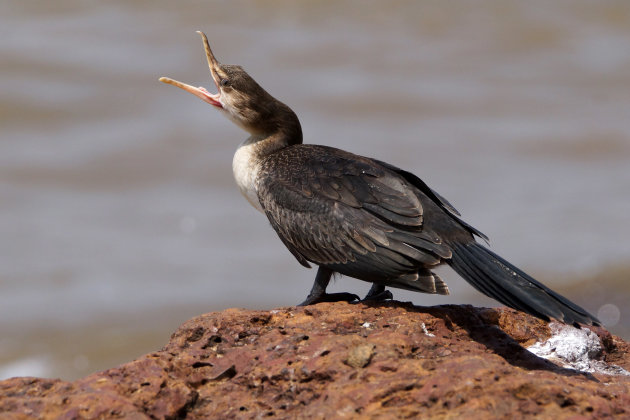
x: 338, y: 360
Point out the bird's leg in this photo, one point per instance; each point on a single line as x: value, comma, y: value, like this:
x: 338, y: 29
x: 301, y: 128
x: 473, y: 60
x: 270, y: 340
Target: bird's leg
x: 318, y: 292
x: 378, y: 293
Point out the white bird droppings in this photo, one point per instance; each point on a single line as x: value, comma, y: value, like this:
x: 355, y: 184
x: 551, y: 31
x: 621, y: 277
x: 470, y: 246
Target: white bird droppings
x: 426, y: 332
x: 575, y: 348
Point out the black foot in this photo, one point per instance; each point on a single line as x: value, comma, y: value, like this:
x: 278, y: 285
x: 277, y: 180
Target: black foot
x: 377, y: 294
x: 380, y: 297
x: 318, y: 292
x: 330, y: 297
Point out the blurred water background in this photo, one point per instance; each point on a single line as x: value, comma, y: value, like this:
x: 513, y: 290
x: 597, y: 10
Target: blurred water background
x: 119, y: 217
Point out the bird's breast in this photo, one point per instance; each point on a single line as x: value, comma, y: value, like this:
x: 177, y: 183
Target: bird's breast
x: 245, y: 167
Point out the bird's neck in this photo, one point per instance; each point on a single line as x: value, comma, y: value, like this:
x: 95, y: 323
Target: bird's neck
x: 282, y: 129
x: 279, y: 128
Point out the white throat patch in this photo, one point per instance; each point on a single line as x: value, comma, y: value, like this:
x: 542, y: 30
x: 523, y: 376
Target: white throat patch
x: 245, y: 167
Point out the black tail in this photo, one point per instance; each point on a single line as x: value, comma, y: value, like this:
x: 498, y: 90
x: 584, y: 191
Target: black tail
x: 495, y: 277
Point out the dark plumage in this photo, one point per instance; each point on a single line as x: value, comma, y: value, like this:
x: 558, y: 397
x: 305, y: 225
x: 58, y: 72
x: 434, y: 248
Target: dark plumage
x: 354, y: 216
x: 358, y: 216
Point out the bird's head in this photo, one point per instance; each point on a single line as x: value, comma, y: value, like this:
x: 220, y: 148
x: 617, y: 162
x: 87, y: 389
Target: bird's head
x: 243, y: 100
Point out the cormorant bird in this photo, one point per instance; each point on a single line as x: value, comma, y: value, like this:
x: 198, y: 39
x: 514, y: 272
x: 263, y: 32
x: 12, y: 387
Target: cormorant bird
x: 357, y: 216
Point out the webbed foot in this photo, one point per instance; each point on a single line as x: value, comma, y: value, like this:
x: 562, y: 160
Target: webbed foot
x: 330, y: 297
x: 377, y: 294
x: 318, y: 292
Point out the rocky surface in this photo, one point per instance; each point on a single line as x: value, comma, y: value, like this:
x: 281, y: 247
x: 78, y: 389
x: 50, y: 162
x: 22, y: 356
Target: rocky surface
x: 337, y: 360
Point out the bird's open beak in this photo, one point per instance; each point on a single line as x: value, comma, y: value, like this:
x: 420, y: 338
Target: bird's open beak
x: 201, y: 92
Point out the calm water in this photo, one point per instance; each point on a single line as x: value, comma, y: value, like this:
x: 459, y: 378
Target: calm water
x: 119, y: 217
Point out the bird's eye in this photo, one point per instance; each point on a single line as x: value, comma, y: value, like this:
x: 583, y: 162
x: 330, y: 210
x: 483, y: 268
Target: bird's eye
x: 224, y: 82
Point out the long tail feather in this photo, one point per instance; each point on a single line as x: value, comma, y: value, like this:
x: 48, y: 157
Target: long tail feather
x: 500, y: 280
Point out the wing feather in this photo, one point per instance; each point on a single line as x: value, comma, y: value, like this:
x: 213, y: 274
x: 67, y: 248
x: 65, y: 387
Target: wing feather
x: 334, y: 208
